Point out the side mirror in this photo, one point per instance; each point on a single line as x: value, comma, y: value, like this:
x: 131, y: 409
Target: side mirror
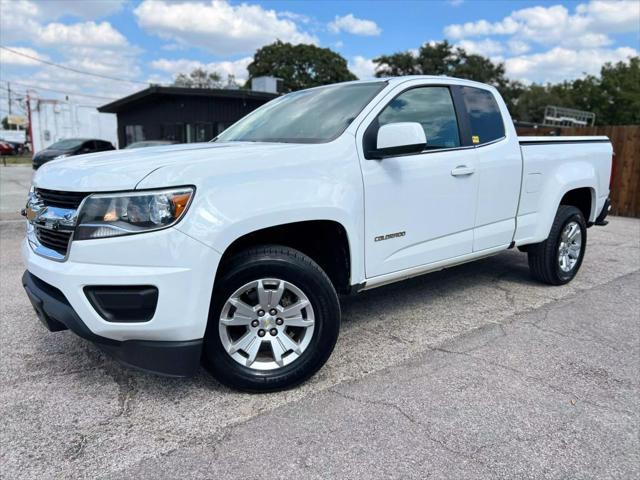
x: 86, y: 150
x: 399, y: 139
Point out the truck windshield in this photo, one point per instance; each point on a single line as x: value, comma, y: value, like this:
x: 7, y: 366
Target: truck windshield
x: 308, y: 116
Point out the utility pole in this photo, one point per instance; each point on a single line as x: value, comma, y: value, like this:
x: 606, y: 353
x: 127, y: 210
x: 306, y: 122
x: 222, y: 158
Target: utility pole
x: 9, y: 96
x: 30, y: 130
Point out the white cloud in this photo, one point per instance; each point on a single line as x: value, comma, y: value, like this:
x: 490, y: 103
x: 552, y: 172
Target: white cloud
x: 10, y: 58
x: 53, y: 9
x: 355, y: 26
x: 559, y: 64
x: 614, y: 17
x: 217, y: 26
x: 81, y: 34
x: 237, y: 68
x: 518, y: 47
x: 362, y: 67
x: 554, y: 25
x: 486, y: 47
x: 95, y: 47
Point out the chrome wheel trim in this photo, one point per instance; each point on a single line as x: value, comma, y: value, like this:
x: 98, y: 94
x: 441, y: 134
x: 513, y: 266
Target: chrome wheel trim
x: 570, y: 246
x: 274, y: 339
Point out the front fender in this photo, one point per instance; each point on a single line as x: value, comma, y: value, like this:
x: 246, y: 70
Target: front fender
x: 321, y: 182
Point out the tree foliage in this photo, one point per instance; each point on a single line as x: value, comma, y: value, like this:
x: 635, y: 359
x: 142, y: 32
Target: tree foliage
x: 299, y: 66
x: 441, y: 59
x: 614, y: 96
x: 199, y: 78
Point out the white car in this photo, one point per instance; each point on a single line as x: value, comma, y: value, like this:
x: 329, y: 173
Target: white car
x: 233, y: 252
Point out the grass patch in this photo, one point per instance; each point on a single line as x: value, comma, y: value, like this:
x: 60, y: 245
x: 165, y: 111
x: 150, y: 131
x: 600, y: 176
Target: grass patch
x: 16, y: 160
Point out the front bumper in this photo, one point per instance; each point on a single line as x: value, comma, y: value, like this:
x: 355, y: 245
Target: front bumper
x: 179, y: 267
x: 176, y: 359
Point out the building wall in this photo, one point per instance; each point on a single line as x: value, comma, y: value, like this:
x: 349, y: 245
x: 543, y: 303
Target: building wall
x: 162, y: 117
x: 53, y: 120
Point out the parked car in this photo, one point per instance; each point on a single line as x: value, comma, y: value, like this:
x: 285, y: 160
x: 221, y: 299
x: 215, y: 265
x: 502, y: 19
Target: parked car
x: 69, y: 148
x: 150, y: 143
x: 17, y: 148
x: 6, y: 148
x: 234, y: 251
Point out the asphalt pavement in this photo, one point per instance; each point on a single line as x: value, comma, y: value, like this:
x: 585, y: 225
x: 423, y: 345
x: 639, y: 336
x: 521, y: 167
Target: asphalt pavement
x: 472, y: 372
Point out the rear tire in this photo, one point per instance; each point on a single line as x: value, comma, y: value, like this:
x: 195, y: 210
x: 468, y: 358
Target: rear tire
x: 267, y: 365
x: 556, y: 261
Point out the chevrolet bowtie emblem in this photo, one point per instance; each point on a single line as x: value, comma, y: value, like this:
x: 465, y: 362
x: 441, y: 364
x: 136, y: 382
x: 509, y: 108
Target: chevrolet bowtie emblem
x: 29, y: 213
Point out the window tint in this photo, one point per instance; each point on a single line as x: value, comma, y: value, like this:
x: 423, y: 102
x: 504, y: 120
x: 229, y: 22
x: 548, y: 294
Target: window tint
x: 484, y: 115
x: 431, y: 107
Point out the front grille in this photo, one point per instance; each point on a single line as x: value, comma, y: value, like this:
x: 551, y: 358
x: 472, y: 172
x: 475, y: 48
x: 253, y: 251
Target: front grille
x: 55, y: 198
x: 56, y: 240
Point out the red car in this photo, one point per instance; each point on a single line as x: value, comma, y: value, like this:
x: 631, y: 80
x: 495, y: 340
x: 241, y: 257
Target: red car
x: 6, y: 149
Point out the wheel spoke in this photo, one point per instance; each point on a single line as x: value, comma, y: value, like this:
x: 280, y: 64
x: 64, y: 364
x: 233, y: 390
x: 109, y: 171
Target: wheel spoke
x: 563, y: 262
x: 252, y: 351
x: 244, y: 342
x: 281, y: 345
x: 298, y: 321
x: 238, y: 320
x: 242, y: 308
x: 263, y: 294
x: 573, y: 232
x: 276, y: 295
x: 574, y: 251
x: 294, y: 310
x: 288, y: 343
x: 278, y: 350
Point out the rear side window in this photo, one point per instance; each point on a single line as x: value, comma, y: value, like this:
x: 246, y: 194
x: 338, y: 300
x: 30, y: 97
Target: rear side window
x: 484, y: 115
x: 431, y: 107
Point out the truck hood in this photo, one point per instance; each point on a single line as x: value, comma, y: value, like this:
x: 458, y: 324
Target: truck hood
x: 124, y: 169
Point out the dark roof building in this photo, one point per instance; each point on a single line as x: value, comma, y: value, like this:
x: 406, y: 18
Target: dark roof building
x: 182, y: 115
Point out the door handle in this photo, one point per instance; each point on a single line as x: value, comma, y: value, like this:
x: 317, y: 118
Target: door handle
x: 462, y: 170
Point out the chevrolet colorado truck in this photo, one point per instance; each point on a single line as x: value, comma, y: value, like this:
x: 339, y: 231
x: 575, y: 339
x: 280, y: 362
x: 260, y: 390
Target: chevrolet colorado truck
x: 232, y: 253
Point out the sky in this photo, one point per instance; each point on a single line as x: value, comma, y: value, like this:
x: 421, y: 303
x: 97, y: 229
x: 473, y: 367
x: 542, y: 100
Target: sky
x: 130, y: 43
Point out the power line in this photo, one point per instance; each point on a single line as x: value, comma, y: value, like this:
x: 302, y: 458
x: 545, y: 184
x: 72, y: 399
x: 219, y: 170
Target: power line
x: 75, y: 70
x: 59, y: 91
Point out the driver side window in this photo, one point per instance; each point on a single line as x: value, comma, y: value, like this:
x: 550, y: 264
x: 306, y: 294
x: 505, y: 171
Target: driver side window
x: 431, y: 107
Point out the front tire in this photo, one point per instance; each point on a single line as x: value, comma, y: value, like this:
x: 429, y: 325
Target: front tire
x: 274, y: 320
x: 556, y: 261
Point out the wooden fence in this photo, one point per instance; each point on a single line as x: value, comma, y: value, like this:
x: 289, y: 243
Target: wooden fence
x: 625, y: 188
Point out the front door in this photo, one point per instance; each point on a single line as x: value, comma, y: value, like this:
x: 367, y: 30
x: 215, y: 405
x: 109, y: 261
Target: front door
x: 419, y: 208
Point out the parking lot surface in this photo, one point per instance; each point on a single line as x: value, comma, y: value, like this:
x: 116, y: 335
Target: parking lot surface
x: 472, y: 372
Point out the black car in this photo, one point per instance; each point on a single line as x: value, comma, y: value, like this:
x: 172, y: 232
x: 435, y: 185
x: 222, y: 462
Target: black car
x: 68, y: 148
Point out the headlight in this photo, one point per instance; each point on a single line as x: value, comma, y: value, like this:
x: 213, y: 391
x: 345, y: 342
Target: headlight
x: 64, y: 155
x: 115, y: 214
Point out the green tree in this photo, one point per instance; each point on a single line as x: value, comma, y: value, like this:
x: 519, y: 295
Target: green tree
x: 199, y: 78
x: 299, y: 66
x: 614, y: 96
x: 619, y: 90
x: 442, y: 58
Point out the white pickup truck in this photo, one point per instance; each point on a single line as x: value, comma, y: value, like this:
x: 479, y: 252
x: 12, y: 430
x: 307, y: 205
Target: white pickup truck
x: 232, y: 252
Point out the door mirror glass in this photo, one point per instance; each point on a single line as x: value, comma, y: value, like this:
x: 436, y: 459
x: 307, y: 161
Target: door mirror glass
x: 400, y: 138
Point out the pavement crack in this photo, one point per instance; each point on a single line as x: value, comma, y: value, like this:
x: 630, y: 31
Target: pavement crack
x: 376, y: 403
